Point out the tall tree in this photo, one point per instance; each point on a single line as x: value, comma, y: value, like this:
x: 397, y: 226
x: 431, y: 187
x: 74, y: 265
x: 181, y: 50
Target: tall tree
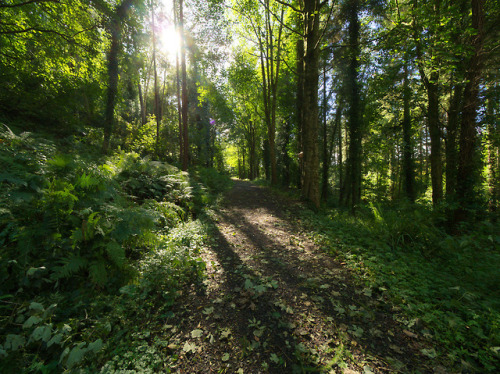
x: 409, y: 173
x: 185, y: 133
x: 311, y: 35
x: 468, y: 168
x: 353, y: 177
x: 115, y: 28
x: 431, y: 83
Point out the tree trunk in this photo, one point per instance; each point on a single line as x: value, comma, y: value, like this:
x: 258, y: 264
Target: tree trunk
x: 157, y: 109
x: 109, y: 116
x: 355, y: 117
x: 435, y: 135
x: 409, y: 172
x: 300, y: 113
x: 185, y: 138
x: 141, y: 103
x: 325, y: 158
x: 468, y: 167
x: 178, y: 88
x: 451, y: 143
x: 114, y: 50
x: 310, y: 187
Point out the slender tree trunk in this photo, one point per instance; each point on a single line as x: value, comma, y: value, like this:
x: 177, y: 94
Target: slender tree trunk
x: 493, y: 154
x: 286, y: 157
x: 310, y: 187
x: 141, y: 103
x: 178, y: 87
x: 435, y: 135
x: 114, y: 50
x: 185, y: 138
x: 468, y: 167
x: 325, y: 159
x: 409, y: 172
x: 451, y: 143
x: 341, y: 164
x: 112, y: 83
x: 355, y: 117
x: 300, y: 113
x: 157, y: 106
x: 432, y: 87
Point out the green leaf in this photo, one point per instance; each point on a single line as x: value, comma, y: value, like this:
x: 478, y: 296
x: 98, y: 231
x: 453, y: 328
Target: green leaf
x: 248, y: 284
x: 258, y: 333
x: 14, y: 342
x: 95, y: 346
x: 76, y: 355
x: 116, y: 253
x: 36, y: 307
x: 56, y: 339
x: 33, y: 320
x: 225, y: 357
x: 208, y: 310
x: 42, y: 333
x: 431, y: 352
x: 274, y: 358
x: 98, y: 273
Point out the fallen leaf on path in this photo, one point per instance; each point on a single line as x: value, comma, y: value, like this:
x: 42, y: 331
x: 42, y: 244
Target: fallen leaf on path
x: 196, y: 333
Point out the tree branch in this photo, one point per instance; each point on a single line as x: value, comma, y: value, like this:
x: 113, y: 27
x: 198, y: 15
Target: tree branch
x: 28, y: 2
x: 280, y: 20
x: 290, y: 6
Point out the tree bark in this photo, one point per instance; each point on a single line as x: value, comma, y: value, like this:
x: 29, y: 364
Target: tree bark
x: 178, y: 87
x: 185, y: 135
x: 355, y: 117
x: 310, y: 186
x: 116, y: 30
x: 299, y: 106
x: 409, y: 172
x: 451, y: 143
x: 468, y: 167
x: 157, y: 106
x: 435, y: 135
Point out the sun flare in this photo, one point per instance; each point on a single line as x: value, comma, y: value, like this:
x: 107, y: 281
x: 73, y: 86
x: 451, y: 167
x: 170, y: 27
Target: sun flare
x: 169, y: 43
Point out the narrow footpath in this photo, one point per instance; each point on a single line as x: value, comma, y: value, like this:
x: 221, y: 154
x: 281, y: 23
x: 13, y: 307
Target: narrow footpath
x: 273, y: 302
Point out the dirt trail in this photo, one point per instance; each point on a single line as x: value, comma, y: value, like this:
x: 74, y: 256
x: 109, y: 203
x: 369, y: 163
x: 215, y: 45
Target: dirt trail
x: 275, y: 303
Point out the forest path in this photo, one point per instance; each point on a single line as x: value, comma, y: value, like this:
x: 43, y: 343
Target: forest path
x: 274, y: 302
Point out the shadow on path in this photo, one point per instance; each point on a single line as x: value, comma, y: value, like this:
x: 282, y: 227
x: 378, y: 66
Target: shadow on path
x: 275, y: 303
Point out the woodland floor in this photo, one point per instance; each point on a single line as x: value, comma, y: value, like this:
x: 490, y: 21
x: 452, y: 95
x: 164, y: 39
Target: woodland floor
x: 273, y: 302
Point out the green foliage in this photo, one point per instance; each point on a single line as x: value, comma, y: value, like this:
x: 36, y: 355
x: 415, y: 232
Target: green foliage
x: 445, y: 287
x: 75, y: 229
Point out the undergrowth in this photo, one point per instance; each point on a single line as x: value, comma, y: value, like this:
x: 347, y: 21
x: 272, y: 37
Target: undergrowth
x: 90, y: 248
x: 445, y: 288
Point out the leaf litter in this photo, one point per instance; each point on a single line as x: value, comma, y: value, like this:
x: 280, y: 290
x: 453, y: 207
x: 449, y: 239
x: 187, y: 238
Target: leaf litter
x: 274, y: 302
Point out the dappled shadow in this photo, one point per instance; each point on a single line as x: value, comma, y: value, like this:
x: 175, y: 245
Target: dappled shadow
x: 288, y: 306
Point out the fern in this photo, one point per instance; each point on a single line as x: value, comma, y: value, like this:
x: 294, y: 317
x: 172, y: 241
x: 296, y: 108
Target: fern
x: 98, y: 273
x: 71, y: 266
x: 116, y: 254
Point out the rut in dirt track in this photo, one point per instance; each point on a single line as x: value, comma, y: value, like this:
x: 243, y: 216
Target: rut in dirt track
x: 274, y: 302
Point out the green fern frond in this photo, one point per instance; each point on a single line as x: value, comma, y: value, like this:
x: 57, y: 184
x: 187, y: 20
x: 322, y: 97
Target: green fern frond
x: 116, y: 254
x: 98, y: 273
x: 71, y: 266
